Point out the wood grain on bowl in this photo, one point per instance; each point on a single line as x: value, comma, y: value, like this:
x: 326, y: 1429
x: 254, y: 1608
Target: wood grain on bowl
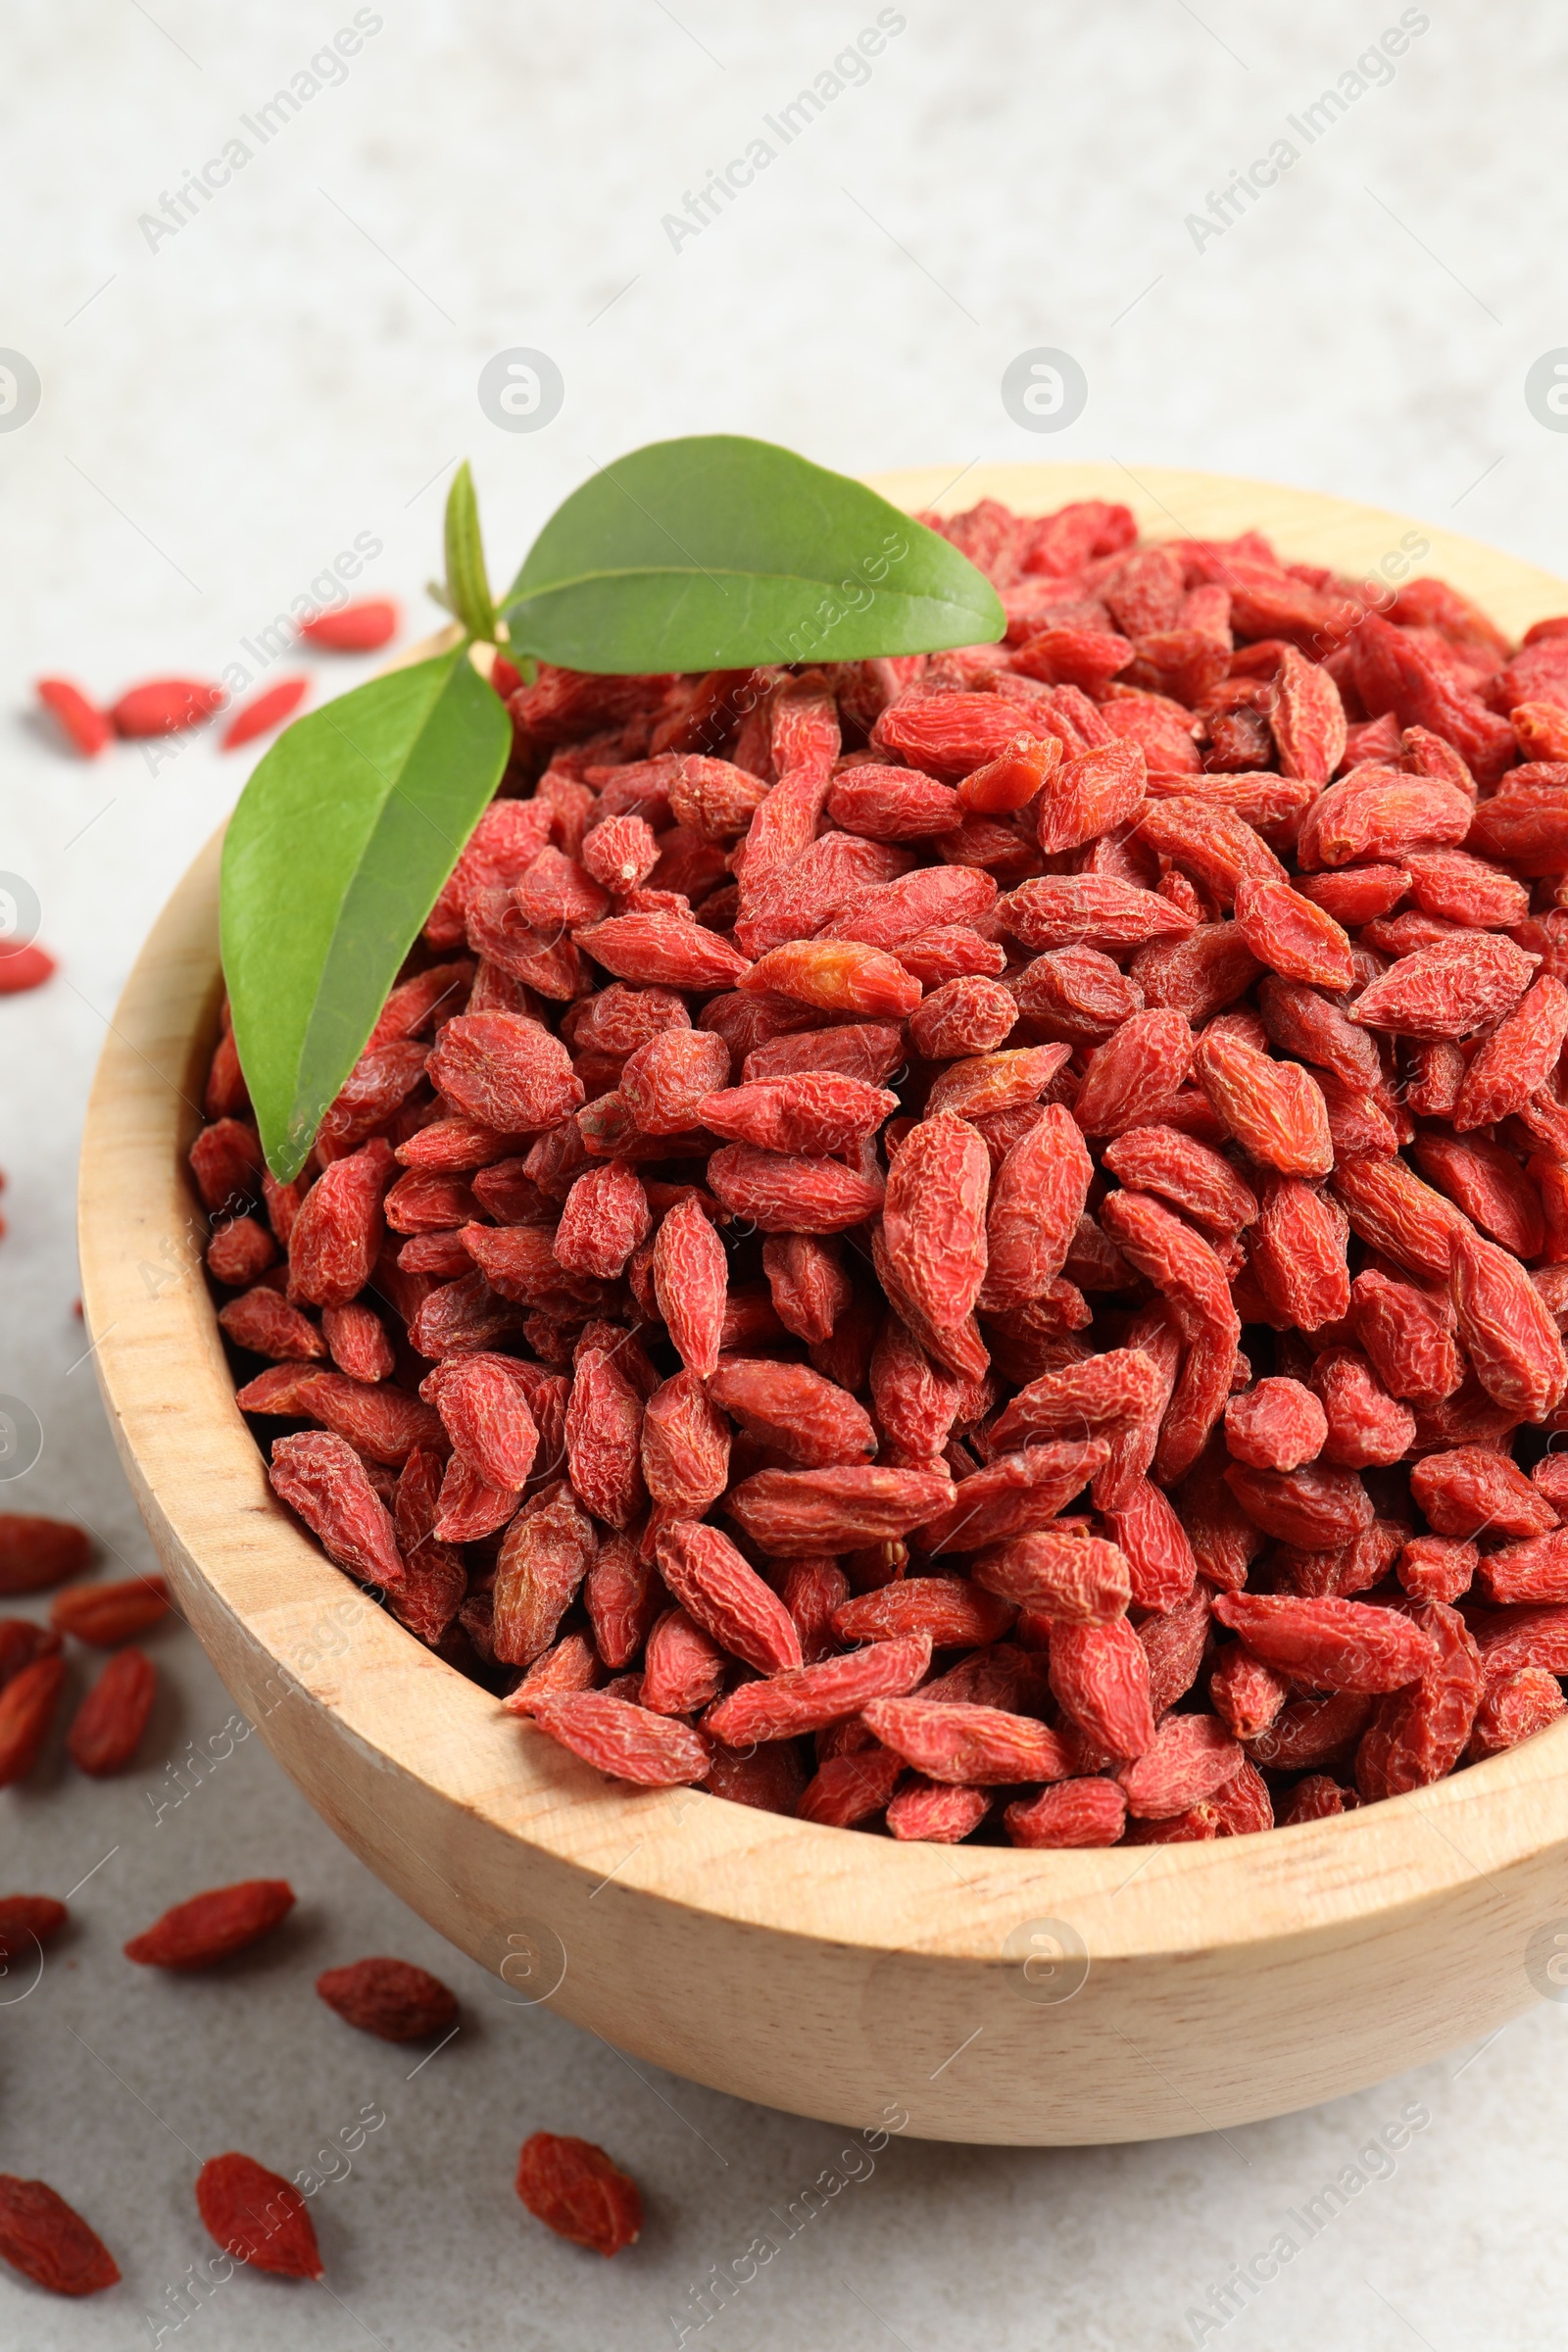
x: 979, y: 1993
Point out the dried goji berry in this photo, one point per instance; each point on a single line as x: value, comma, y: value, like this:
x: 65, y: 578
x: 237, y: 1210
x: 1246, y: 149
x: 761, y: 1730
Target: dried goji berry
x: 106, y: 1731
x: 356, y: 628
x: 209, y: 1926
x: 164, y: 707
x: 105, y: 1615
x: 86, y: 726
x: 264, y: 712
x: 28, y: 1706
x: 573, y: 2189
x: 48, y: 2241
x: 36, y: 1552
x: 258, y: 2217
x: 391, y: 1999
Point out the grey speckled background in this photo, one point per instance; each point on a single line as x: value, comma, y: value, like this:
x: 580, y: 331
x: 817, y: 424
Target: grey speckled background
x: 220, y: 416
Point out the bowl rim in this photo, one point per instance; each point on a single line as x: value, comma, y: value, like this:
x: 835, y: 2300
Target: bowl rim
x: 257, y: 1584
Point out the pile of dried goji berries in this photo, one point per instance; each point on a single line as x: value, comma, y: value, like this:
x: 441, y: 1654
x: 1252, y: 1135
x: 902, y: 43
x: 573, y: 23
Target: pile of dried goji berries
x: 944, y: 1241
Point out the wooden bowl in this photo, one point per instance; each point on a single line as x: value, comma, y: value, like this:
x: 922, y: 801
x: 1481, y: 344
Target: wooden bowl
x: 966, y: 1993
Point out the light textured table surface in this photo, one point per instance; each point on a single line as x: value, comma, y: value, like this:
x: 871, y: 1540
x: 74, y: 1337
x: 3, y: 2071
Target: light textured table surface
x: 223, y: 408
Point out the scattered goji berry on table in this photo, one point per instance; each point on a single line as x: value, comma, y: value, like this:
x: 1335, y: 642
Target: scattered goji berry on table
x: 106, y: 1731
x: 358, y: 628
x: 87, y: 728
x: 28, y: 1705
x: 105, y: 1615
x: 264, y: 712
x: 37, y: 1553
x: 575, y: 2191
x: 164, y: 707
x: 258, y: 2217
x: 23, y: 967
x: 209, y: 1926
x: 48, y: 2241
x: 390, y: 1998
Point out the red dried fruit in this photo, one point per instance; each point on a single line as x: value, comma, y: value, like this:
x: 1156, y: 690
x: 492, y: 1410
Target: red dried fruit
x: 966, y: 1744
x: 806, y: 1698
x: 1365, y: 1425
x: 164, y: 707
x: 690, y: 1277
x: 106, y: 1731
x: 1330, y: 1645
x: 258, y: 2217
x: 934, y: 1217
x: 22, y: 968
x: 86, y: 727
x: 36, y: 1552
x: 603, y: 1440
x: 1471, y: 1490
x: 806, y: 1284
x: 28, y: 1706
x: 105, y: 1615
x: 1314, y: 1508
x: 1398, y: 1215
x: 937, y: 1815
x: 1083, y: 1813
x: 392, y: 1999
x: 543, y: 1559
x: 793, y: 1410
x: 1191, y: 1758
x: 574, y: 2190
x: 1437, y: 1567
x: 664, y: 1081
x: 622, y: 1598
x: 1013, y: 1495
x: 48, y: 2241
x: 665, y: 950
x: 791, y: 1514
x: 1064, y: 911
x: 225, y: 1160
x: 264, y: 712
x: 1070, y: 1578
x: 504, y: 1071
x: 1129, y: 1076
x: 1011, y: 1321
x: 1407, y: 1335
x: 847, y: 1790
x: 27, y: 1921
x: 947, y: 1608
x: 1488, y: 1184
x: 683, y: 1667
x: 263, y: 1324
x: 1465, y: 983
x: 1514, y: 1706
x: 323, y: 1480
x: 1506, y: 1329
x: 1418, y: 1735
x: 1100, y: 1678
x: 354, y: 628
x: 629, y: 1742
x: 1274, y: 1110
x: 1308, y: 717
x: 806, y: 1111
x: 207, y: 1927
x: 713, y: 1583
x: 1275, y: 1426
x: 239, y: 1252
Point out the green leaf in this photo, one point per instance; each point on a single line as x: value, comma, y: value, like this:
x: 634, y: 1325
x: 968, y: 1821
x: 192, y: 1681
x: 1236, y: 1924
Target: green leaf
x: 718, y: 552
x: 334, y: 856
x: 467, y: 583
